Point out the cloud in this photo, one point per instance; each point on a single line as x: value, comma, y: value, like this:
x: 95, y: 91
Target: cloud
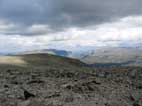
x: 126, y: 31
x: 69, y: 24
x: 62, y: 14
x: 9, y: 28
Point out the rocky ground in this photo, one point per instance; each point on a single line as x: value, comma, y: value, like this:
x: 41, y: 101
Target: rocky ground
x: 50, y: 86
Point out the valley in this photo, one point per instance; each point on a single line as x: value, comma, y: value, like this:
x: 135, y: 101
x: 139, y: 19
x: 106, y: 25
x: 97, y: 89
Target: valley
x: 113, y: 56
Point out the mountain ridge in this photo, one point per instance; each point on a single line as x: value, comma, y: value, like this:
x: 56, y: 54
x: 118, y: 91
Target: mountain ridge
x: 121, y: 56
x: 40, y: 59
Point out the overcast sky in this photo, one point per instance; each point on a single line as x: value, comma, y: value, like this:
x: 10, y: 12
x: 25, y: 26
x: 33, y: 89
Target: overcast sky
x: 69, y: 24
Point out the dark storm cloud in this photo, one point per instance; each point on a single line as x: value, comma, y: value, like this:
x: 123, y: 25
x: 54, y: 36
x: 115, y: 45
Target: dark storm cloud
x: 60, y: 14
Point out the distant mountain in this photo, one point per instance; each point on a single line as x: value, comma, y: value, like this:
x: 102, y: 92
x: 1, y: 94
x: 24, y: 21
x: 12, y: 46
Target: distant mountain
x: 1, y: 53
x: 51, y: 51
x: 114, y: 56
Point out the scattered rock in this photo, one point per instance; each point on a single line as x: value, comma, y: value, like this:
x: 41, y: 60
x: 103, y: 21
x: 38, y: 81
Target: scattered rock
x: 82, y: 87
x: 55, y: 94
x: 15, y: 82
x: 139, y: 86
x: 135, y: 96
x: 132, y: 98
x: 69, y: 99
x: 133, y: 73
x: 68, y: 86
x: 28, y: 95
x: 96, y: 82
x: 136, y: 104
x: 35, y: 82
x: 24, y: 103
x: 55, y: 103
x: 6, y: 86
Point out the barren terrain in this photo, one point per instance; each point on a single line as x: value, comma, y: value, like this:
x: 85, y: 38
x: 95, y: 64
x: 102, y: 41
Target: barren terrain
x: 48, y: 80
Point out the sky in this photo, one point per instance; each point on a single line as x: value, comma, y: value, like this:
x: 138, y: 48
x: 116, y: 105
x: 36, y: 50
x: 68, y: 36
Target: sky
x: 69, y: 24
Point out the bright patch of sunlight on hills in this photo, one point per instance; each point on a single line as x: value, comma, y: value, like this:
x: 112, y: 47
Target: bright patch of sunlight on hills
x: 14, y: 60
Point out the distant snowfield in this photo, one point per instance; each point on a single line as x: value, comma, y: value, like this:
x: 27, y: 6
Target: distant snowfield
x: 14, y: 60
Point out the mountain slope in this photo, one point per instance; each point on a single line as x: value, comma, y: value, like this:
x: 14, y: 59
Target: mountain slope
x: 114, y: 56
x: 40, y: 59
